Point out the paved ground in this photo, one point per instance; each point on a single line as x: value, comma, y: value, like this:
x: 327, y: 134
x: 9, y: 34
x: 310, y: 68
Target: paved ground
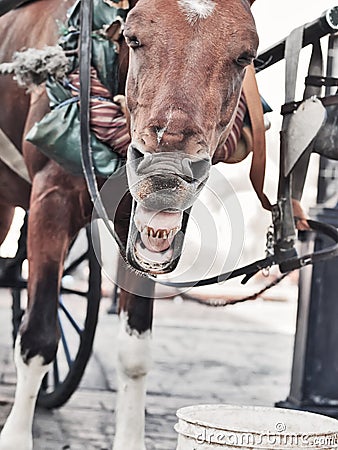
x: 241, y: 354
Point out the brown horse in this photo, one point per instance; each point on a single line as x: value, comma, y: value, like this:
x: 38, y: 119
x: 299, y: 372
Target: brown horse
x: 187, y: 61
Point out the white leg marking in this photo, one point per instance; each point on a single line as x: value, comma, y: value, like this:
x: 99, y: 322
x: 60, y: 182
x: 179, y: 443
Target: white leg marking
x: 133, y: 364
x: 17, y: 431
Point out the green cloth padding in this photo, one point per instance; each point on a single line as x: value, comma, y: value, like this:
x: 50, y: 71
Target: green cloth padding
x: 57, y: 135
x: 104, y: 56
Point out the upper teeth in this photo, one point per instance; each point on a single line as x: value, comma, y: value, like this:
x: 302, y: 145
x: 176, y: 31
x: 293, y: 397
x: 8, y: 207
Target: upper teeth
x: 160, y: 234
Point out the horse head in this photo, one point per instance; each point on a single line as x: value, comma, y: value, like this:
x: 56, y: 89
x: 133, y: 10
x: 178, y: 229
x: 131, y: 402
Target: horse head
x: 187, y: 61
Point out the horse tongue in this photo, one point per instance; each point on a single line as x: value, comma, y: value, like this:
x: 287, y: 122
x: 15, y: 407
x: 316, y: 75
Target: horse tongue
x: 157, y: 228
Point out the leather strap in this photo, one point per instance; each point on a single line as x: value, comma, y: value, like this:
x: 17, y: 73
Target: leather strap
x: 288, y: 108
x: 284, y: 229
x: 86, y: 13
x: 316, y: 80
x: 293, y: 47
x: 315, y: 71
x: 255, y: 110
x: 11, y: 156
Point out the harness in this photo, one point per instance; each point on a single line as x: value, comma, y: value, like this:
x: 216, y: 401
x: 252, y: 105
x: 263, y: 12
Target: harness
x: 283, y: 252
x: 255, y: 109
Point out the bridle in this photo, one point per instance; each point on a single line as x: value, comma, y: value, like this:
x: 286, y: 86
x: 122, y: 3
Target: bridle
x: 286, y: 264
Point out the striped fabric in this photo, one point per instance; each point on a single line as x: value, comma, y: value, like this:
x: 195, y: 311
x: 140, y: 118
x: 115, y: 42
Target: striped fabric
x: 107, y: 120
x: 109, y: 124
x: 227, y: 150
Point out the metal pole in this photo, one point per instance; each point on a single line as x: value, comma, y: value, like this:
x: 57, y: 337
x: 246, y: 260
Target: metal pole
x: 314, y: 375
x: 328, y: 169
x: 326, y: 24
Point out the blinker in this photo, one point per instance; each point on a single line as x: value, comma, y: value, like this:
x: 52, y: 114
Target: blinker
x: 303, y: 126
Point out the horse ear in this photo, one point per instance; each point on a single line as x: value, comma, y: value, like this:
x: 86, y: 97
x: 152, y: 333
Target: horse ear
x: 114, y: 30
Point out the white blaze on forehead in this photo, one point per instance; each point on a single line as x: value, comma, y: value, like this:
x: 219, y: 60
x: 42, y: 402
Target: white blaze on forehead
x: 197, y: 9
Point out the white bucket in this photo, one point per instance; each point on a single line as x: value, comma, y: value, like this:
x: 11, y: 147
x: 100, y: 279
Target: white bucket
x: 221, y: 427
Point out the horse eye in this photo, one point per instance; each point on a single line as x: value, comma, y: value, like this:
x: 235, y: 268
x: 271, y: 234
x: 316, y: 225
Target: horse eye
x: 133, y: 42
x: 244, y: 59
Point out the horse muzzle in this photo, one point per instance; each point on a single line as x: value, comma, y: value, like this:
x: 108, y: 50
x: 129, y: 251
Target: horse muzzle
x: 164, y: 186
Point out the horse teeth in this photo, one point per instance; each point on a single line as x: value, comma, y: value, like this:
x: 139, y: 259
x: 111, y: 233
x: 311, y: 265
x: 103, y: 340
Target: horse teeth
x: 159, y: 234
x: 162, y: 234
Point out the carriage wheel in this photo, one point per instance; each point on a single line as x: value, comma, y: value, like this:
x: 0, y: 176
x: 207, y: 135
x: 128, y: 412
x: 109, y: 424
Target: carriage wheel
x: 77, y: 316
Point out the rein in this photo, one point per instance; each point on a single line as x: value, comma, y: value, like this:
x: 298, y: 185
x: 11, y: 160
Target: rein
x: 86, y: 151
x: 288, y: 265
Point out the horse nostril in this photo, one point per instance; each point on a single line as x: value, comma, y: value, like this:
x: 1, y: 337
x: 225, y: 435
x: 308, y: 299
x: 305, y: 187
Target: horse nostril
x: 134, y: 153
x: 200, y: 168
x: 139, y: 161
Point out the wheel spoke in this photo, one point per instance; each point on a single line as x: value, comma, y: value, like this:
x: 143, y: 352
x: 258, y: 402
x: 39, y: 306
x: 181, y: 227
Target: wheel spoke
x: 77, y: 328
x: 75, y: 263
x: 55, y: 374
x: 65, y: 345
x: 73, y: 291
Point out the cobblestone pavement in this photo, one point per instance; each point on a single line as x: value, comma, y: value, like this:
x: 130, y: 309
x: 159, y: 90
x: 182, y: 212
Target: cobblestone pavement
x: 241, y: 354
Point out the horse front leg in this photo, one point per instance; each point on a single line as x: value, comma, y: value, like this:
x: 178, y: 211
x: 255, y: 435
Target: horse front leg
x: 133, y: 362
x: 50, y: 229
x: 17, y: 431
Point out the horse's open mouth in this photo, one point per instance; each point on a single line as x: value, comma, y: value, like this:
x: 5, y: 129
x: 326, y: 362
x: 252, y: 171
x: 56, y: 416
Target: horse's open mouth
x: 155, y: 239
x: 164, y: 186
